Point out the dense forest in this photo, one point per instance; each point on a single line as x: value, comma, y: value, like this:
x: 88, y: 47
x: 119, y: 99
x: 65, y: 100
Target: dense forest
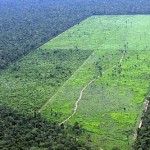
x: 27, y: 24
x: 20, y: 132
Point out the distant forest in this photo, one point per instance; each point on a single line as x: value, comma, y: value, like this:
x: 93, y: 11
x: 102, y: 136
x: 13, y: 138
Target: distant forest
x: 27, y: 24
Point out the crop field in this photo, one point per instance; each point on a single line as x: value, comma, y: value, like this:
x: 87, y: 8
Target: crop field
x: 96, y: 73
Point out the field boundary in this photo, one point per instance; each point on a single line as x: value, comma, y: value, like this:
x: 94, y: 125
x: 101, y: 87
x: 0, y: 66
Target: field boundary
x: 66, y: 82
x: 146, y: 104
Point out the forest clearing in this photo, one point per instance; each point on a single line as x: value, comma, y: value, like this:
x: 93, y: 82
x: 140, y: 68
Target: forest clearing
x: 95, y: 73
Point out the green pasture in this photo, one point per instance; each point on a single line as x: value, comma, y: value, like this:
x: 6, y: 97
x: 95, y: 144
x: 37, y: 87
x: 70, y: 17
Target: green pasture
x: 105, y: 32
x: 50, y: 79
x: 112, y: 105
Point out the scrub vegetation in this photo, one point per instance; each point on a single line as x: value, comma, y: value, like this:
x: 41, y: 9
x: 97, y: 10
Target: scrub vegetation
x: 29, y: 83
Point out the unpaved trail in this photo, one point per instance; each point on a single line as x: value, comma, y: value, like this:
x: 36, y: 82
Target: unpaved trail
x: 65, y: 83
x: 145, y: 110
x: 122, y: 57
x: 141, y: 121
x: 84, y: 88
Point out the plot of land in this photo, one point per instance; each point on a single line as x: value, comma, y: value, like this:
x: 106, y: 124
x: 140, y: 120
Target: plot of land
x: 50, y: 79
x: 112, y: 105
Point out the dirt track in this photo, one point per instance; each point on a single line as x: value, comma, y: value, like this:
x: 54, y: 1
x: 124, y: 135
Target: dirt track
x: 141, y: 121
x: 84, y: 88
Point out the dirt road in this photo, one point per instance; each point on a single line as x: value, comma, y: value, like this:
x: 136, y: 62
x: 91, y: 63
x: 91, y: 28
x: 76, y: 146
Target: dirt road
x: 84, y: 88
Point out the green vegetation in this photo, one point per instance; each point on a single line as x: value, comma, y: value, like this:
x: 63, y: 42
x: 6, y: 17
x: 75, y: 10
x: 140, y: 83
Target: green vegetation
x: 27, y: 24
x: 114, y: 51
x: 30, y: 82
x: 112, y: 105
x: 115, y: 102
x: 143, y: 139
x: 19, y: 131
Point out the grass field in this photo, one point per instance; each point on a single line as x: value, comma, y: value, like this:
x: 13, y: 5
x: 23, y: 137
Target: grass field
x: 51, y: 78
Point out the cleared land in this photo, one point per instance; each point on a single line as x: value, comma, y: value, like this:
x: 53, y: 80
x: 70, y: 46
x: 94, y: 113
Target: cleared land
x: 50, y: 80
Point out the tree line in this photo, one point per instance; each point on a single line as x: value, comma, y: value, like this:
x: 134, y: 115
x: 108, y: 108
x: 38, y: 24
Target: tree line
x: 143, y: 134
x: 20, y: 132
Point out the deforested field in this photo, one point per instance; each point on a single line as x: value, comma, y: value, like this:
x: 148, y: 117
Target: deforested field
x: 96, y: 73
